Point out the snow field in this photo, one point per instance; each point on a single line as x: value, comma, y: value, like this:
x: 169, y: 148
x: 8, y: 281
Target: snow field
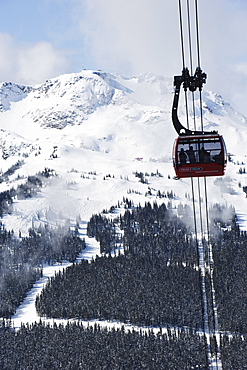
x: 112, y: 127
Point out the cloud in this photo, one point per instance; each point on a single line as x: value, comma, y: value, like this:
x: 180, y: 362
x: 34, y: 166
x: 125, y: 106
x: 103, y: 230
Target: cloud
x: 143, y: 36
x: 40, y: 61
x: 30, y: 63
x: 132, y: 36
x: 224, y: 48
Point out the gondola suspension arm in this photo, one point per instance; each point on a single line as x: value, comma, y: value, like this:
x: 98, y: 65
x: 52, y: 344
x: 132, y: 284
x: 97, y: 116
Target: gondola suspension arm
x: 189, y: 82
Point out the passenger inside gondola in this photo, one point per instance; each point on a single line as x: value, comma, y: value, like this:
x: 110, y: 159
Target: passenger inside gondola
x: 182, y: 157
x: 219, y: 158
x: 191, y: 154
x: 204, y: 156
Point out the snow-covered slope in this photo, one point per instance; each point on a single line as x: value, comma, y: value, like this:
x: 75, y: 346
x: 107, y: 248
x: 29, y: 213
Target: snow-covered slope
x: 95, y: 130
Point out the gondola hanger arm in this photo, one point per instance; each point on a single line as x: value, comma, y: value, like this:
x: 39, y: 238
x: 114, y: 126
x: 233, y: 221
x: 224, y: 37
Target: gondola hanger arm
x: 191, y: 83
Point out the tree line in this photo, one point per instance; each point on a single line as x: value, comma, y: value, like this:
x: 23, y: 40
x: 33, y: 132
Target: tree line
x: 155, y: 282
x: 73, y: 346
x: 153, y: 238
x: 156, y: 231
x: 20, y: 257
x: 133, y: 289
x: 230, y: 271
x: 28, y: 189
x: 149, y: 230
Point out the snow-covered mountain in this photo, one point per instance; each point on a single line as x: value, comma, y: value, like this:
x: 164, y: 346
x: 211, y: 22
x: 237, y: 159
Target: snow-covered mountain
x: 95, y: 130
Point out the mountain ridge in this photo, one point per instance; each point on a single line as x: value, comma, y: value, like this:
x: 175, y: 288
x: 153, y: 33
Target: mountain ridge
x: 89, y: 125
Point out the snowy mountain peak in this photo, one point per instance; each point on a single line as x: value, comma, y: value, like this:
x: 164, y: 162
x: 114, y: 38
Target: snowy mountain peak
x: 69, y: 99
x: 107, y: 105
x: 108, y: 113
x: 87, y: 125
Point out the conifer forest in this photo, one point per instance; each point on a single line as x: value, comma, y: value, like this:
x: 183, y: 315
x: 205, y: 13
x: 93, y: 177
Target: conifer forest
x: 147, y: 276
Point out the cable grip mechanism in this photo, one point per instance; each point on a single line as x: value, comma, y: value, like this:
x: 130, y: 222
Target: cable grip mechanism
x: 191, y: 82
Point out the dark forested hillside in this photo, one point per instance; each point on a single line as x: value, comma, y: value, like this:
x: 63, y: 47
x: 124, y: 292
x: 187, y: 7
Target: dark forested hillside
x: 21, y: 260
x: 150, y: 231
x: 154, y: 283
x: 75, y: 347
x: 230, y: 271
x: 157, y: 232
x: 140, y: 290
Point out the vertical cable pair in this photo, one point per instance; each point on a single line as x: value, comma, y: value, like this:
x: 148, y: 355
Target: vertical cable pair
x: 203, y: 242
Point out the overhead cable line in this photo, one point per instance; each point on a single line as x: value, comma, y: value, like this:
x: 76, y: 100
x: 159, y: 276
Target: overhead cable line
x: 198, y: 58
x: 202, y: 244
x: 191, y: 61
x: 181, y: 32
x: 186, y: 99
x: 197, y: 35
x: 183, y: 57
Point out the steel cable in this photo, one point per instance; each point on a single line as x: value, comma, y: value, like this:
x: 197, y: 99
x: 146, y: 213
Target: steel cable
x: 202, y: 129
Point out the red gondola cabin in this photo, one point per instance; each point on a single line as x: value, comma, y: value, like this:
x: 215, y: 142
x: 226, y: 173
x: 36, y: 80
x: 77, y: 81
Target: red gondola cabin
x: 199, y: 155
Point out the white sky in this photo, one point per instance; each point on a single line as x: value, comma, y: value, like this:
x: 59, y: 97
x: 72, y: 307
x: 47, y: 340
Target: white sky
x: 40, y: 39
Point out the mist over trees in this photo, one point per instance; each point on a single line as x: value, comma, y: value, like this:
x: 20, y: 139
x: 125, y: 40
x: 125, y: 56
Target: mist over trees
x: 21, y: 260
x: 27, y: 189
